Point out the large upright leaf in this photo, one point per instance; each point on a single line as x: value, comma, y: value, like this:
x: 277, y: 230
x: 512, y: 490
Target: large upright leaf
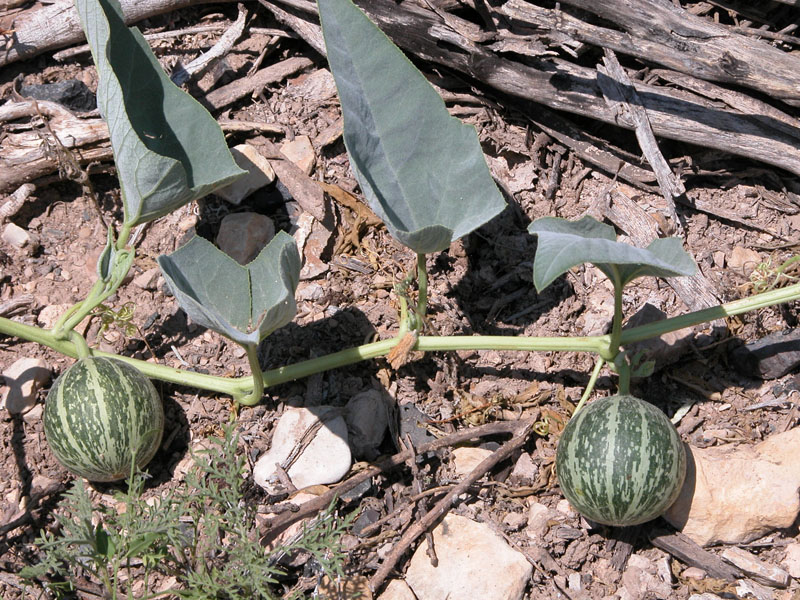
x: 421, y: 170
x: 168, y: 149
x: 244, y: 303
x: 563, y: 244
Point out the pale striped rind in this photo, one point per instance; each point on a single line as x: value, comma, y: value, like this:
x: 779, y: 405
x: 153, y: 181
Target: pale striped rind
x: 620, y: 461
x: 98, y: 414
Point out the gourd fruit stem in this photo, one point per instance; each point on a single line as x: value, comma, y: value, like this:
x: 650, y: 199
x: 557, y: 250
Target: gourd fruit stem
x: 590, y: 386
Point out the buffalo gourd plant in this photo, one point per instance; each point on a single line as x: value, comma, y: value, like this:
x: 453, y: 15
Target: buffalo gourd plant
x: 421, y: 171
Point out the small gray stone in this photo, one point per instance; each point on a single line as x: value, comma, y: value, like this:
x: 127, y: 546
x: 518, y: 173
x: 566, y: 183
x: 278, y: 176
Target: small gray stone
x: 771, y: 357
x: 72, y: 93
x: 410, y: 419
x: 473, y: 562
x: 326, y: 459
x: 243, y: 235
x: 367, y: 418
x: 23, y: 379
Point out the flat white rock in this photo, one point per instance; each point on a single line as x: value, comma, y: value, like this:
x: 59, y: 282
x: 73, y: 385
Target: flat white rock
x: 259, y: 174
x: 49, y: 315
x: 326, y: 459
x: 397, y: 590
x: 466, y: 459
x: 792, y: 559
x: 300, y: 152
x: 737, y: 494
x: 474, y: 562
x: 23, y: 379
x: 16, y: 236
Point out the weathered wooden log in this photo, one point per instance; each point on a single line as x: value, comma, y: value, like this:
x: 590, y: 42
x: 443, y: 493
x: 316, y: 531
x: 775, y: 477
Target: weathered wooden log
x: 558, y: 84
x: 660, y: 32
x: 33, y: 153
x: 58, y: 25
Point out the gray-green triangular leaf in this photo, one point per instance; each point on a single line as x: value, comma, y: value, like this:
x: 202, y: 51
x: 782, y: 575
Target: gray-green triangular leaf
x: 421, y: 170
x: 244, y: 303
x: 168, y: 149
x: 564, y: 244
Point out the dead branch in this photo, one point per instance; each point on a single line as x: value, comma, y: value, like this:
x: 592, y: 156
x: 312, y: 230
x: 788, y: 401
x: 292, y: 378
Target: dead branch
x: 561, y: 85
x: 665, y: 34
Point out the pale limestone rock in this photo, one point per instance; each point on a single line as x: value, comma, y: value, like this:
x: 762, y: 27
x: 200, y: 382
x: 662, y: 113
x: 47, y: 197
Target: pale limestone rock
x: 792, y: 559
x: 743, y: 260
x: 474, y: 562
x: 524, y: 472
x: 49, y: 315
x: 147, y: 280
x: 736, y: 494
x: 300, y: 152
x: 367, y: 418
x: 641, y: 580
x: 466, y: 459
x: 397, y: 590
x: 23, y: 379
x: 757, y: 569
x: 259, y: 174
x: 694, y: 573
x: 243, y: 235
x: 515, y: 521
x: 539, y: 520
x: 317, y: 87
x: 325, y: 460
x: 565, y: 508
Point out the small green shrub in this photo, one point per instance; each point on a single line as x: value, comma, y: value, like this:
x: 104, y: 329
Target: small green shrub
x: 203, y: 535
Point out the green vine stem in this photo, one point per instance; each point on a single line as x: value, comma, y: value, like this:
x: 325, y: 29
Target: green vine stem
x: 77, y: 312
x: 422, y: 288
x: 254, y: 397
x: 401, y: 289
x: 729, y: 309
x: 623, y: 369
x: 99, y: 292
x: 124, y: 235
x: 240, y: 387
x: 81, y: 347
x: 616, y: 324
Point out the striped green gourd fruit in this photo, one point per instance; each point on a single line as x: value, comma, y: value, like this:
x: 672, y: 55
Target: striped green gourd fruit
x: 620, y: 461
x: 99, y: 413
